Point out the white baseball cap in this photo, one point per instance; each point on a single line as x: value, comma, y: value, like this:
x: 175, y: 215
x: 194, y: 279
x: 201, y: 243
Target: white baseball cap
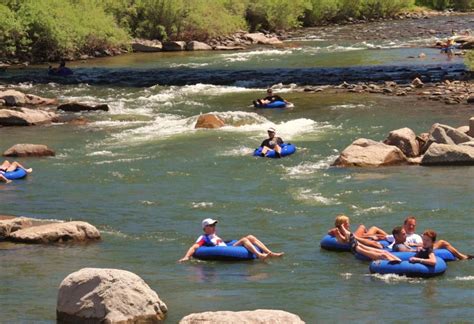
x: 271, y: 129
x: 208, y: 221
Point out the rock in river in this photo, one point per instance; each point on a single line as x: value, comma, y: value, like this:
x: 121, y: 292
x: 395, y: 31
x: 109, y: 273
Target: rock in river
x: 259, y: 316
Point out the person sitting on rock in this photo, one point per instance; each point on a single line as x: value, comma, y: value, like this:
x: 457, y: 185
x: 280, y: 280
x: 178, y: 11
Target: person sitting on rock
x: 61, y: 70
x: 269, y: 99
x: 271, y: 143
x: 210, y: 238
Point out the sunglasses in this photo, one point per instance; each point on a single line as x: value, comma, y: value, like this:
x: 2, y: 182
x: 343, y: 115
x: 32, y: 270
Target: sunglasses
x: 212, y: 225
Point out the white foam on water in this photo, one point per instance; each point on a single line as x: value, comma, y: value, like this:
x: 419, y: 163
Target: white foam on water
x: 306, y: 168
x: 120, y: 160
x: 239, y: 151
x: 117, y: 174
x: 346, y: 275
x: 188, y: 65
x: 394, y: 278
x: 101, y: 153
x: 371, y: 210
x: 148, y: 203
x: 202, y: 205
x: 316, y: 198
x: 348, y: 106
x: 269, y: 210
x: 466, y: 278
x: 245, y: 56
x: 24, y: 85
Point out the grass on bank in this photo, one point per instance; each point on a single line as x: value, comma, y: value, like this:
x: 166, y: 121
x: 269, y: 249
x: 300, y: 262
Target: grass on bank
x: 42, y: 30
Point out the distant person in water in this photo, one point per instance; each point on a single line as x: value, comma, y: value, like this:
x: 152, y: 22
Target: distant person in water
x: 210, y: 238
x: 61, y: 70
x: 6, y: 166
x: 271, y: 143
x: 269, y: 99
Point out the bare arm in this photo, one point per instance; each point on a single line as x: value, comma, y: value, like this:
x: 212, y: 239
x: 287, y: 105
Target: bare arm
x: 431, y: 261
x: 190, y: 253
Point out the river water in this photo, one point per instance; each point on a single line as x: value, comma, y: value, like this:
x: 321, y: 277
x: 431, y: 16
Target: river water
x: 146, y: 178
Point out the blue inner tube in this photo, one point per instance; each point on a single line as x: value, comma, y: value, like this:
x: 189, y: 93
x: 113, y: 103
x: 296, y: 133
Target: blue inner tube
x: 224, y: 253
x: 330, y: 243
x: 444, y: 254
x: 274, y: 104
x: 408, y: 269
x: 286, y: 149
x: 19, y: 173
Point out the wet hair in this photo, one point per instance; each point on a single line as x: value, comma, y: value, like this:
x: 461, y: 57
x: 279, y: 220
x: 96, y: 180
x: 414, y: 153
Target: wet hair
x: 341, y: 219
x: 269, y: 90
x: 408, y: 219
x: 431, y: 234
x: 397, y: 230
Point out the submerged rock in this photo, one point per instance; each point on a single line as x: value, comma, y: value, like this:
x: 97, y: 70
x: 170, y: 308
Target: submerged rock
x: 259, y: 316
x: 20, y: 150
x: 93, y: 295
x: 368, y: 153
x: 56, y: 233
x: 209, y: 121
x: 76, y: 107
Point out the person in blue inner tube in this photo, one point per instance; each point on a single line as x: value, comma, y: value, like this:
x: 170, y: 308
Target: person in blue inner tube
x: 210, y: 238
x: 61, y: 70
x: 425, y: 255
x: 269, y: 99
x: 271, y: 143
x: 6, y: 166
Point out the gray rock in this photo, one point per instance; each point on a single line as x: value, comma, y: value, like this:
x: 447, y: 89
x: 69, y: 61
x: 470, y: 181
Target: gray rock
x: 19, y: 99
x: 147, y: 46
x: 448, y: 154
x: 260, y: 38
x: 259, y: 316
x: 197, y: 46
x: 93, y: 295
x: 56, y: 233
x: 174, y: 46
x: 405, y: 140
x: 444, y: 134
x: 368, y: 153
x: 21, y: 150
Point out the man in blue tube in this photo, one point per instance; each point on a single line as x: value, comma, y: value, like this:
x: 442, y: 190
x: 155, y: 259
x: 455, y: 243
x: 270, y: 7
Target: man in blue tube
x: 210, y: 238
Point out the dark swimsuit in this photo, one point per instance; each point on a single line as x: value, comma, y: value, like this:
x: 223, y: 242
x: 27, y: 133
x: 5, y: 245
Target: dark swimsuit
x: 424, y: 254
x: 353, y: 243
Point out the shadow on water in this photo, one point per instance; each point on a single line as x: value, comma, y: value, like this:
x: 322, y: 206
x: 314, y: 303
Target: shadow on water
x: 248, y: 78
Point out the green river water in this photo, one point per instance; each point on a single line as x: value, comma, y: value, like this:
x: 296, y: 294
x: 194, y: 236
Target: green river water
x: 146, y: 178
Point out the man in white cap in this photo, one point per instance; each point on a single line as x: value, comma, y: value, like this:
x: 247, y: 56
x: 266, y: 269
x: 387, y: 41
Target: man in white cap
x: 210, y: 238
x: 271, y: 143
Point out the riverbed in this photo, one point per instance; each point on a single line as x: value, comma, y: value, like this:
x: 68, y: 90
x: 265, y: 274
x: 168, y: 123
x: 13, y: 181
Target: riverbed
x: 146, y: 178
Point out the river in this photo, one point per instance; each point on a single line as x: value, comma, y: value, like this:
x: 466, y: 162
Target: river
x: 146, y: 178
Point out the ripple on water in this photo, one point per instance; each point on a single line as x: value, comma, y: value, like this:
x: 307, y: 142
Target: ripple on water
x: 314, y: 198
x: 394, y: 278
x: 202, y: 205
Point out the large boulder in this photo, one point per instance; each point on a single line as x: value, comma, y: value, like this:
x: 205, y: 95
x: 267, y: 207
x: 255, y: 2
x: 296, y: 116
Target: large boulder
x: 448, y: 154
x: 444, y: 134
x: 405, y: 140
x: 368, y: 153
x: 260, y: 38
x: 76, y: 107
x: 56, y: 233
x: 8, y: 226
x: 209, y: 121
x: 198, y: 46
x: 93, y: 295
x: 20, y: 150
x: 25, y: 117
x: 143, y: 45
x: 174, y: 46
x: 259, y: 316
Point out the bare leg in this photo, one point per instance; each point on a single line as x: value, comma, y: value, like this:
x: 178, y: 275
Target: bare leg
x: 442, y: 244
x: 277, y: 148
x: 370, y: 243
x: 375, y: 254
x: 374, y: 230
x: 2, y: 177
x: 5, y: 165
x: 16, y: 165
x: 249, y: 246
x: 265, y: 149
x: 263, y: 247
x: 360, y: 231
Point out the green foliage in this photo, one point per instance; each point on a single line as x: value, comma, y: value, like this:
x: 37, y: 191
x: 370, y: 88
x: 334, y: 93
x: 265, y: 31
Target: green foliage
x: 11, y: 32
x: 461, y: 5
x: 276, y: 14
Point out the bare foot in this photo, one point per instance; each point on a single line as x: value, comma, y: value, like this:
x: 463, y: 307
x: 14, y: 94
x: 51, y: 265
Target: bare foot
x: 29, y: 170
x: 278, y: 254
x: 262, y: 256
x: 8, y: 181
